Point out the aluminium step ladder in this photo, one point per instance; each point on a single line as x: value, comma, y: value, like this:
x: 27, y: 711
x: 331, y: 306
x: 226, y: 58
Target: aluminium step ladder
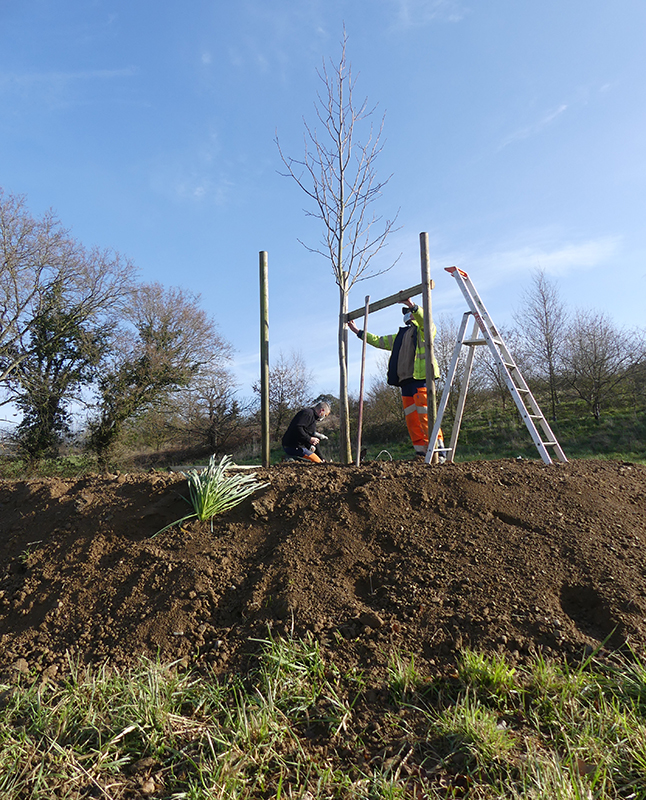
x: 524, y: 399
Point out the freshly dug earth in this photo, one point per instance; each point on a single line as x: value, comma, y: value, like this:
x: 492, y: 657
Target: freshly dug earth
x: 509, y: 556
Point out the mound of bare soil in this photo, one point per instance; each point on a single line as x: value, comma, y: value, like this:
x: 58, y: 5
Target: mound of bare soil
x: 510, y: 556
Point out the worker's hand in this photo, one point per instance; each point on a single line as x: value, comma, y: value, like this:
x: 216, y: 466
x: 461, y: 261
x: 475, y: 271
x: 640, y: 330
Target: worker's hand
x: 408, y: 302
x: 314, y: 440
x: 352, y: 326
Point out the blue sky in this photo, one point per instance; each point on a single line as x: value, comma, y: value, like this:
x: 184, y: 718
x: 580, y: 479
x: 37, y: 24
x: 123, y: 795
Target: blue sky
x: 514, y: 133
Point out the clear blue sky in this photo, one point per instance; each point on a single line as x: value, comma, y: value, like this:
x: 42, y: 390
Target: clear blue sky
x: 514, y: 132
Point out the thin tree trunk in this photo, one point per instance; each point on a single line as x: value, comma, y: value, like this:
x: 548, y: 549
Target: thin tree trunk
x: 553, y: 397
x: 345, y: 450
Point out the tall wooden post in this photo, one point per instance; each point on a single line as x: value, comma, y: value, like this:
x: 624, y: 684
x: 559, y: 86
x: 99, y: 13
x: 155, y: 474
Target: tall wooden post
x: 264, y: 357
x: 428, y: 337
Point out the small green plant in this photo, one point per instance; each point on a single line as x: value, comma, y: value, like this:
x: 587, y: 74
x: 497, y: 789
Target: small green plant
x: 491, y: 675
x: 212, y: 491
x: 403, y: 677
x: 473, y: 730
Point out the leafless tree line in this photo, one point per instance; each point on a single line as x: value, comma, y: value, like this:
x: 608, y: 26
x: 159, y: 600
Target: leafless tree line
x: 564, y: 355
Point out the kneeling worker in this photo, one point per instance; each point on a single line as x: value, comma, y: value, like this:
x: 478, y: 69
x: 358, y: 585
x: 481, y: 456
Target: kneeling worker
x: 301, y: 439
x: 407, y: 369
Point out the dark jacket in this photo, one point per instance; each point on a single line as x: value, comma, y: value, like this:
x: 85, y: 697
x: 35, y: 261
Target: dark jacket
x: 401, y: 364
x: 400, y: 361
x: 301, y: 429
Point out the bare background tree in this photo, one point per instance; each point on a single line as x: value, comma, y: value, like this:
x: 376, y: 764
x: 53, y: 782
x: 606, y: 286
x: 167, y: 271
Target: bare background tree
x: 600, y: 358
x: 543, y: 321
x: 204, y: 416
x: 40, y: 259
x: 487, y: 372
x: 338, y: 173
x: 289, y: 390
x: 209, y: 412
x: 169, y: 341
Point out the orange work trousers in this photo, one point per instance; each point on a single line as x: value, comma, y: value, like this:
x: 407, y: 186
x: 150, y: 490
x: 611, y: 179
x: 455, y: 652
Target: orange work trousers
x: 415, y: 402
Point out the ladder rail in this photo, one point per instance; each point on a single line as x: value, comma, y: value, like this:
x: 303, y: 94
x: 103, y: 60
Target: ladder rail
x: 447, y: 388
x: 517, y: 384
x: 464, y: 388
x: 532, y: 402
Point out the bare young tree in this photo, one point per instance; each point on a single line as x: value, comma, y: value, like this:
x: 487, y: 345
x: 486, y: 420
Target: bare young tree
x: 542, y: 320
x: 338, y: 174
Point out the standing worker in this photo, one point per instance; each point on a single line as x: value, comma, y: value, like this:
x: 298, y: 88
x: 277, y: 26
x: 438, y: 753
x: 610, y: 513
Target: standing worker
x: 407, y: 369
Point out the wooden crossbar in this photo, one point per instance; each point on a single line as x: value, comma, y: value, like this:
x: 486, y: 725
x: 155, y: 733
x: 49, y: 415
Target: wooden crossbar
x: 387, y: 301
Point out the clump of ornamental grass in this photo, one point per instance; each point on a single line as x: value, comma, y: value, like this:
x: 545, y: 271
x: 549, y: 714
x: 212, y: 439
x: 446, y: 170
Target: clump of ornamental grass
x: 214, y: 490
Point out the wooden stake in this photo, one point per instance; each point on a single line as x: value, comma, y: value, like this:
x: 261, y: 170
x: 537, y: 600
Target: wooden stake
x: 363, y: 374
x: 264, y: 357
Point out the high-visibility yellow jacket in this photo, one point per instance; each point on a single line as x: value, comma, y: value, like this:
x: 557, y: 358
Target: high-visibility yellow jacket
x: 387, y: 342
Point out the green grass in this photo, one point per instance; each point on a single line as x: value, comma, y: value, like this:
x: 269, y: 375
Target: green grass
x: 486, y: 433
x: 491, y: 434
x: 71, y: 466
x: 299, y: 726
